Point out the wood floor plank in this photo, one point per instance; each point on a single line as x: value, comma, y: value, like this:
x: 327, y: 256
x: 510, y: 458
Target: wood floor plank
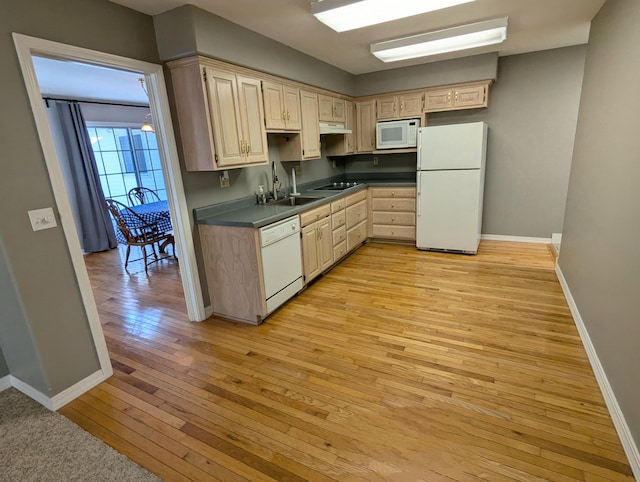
x: 396, y: 365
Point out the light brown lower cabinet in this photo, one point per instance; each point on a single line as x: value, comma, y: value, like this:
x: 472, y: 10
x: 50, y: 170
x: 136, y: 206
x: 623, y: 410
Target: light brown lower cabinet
x: 233, y: 266
x: 393, y: 213
x: 356, y: 219
x: 317, y: 241
x: 338, y: 224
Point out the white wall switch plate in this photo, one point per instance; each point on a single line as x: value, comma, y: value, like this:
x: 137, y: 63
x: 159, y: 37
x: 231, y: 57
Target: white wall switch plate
x: 42, y: 219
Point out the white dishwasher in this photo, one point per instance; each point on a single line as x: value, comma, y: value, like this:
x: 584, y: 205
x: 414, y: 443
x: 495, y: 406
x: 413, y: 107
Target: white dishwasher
x: 281, y: 261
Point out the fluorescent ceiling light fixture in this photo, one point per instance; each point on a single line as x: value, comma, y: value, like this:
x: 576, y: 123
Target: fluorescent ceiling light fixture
x: 442, y: 41
x: 342, y: 15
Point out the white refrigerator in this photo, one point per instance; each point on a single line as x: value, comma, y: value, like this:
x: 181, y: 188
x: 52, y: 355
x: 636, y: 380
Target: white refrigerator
x: 450, y: 187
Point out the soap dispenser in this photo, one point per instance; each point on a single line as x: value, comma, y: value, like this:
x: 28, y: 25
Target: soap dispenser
x: 262, y: 197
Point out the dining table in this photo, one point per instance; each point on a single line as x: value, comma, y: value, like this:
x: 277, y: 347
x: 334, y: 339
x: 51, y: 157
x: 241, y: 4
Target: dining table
x: 152, y: 213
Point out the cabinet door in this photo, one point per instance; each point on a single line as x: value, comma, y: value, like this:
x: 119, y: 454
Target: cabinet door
x: 310, y: 125
x: 438, y: 100
x: 469, y: 97
x: 410, y: 105
x: 365, y: 126
x: 192, y: 108
x: 325, y: 108
x: 252, y: 120
x: 339, y: 110
x: 387, y: 107
x: 310, y: 263
x: 349, y: 123
x: 274, y: 109
x: 292, y: 107
x: 222, y: 95
x: 325, y: 243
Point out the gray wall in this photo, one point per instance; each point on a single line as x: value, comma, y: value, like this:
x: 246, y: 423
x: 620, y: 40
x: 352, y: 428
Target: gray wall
x: 4, y: 369
x: 189, y: 30
x: 532, y: 117
x: 466, y: 69
x: 53, y: 323
x: 17, y: 343
x: 599, y: 255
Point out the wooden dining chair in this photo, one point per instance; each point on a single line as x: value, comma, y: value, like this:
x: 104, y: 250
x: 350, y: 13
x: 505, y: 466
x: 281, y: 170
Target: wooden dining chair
x: 142, y: 195
x: 138, y: 232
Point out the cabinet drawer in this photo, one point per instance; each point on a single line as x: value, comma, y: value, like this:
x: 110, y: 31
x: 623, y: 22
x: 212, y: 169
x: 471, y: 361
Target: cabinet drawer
x: 400, y: 204
x: 339, y: 235
x: 356, y: 213
x: 313, y: 215
x: 396, y: 219
x: 356, y: 235
x: 339, y: 251
x: 338, y: 219
x: 393, y: 192
x: 394, y: 232
x: 357, y: 197
x: 338, y: 205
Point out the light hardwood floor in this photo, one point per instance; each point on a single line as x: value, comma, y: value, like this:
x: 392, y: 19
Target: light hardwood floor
x: 397, y: 365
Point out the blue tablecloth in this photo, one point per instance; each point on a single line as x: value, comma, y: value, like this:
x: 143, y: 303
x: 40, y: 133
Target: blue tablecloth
x: 157, y: 212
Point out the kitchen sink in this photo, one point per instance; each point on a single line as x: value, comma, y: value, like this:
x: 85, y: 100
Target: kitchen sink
x: 294, y: 201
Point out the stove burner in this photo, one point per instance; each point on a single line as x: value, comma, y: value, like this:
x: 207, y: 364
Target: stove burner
x: 337, y: 186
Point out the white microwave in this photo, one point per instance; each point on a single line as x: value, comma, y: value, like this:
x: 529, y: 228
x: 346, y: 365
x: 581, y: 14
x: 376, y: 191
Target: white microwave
x: 397, y: 134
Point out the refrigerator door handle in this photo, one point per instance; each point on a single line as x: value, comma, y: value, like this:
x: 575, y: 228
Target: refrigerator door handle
x: 418, y: 203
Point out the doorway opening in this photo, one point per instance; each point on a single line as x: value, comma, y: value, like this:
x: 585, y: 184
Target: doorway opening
x: 28, y: 47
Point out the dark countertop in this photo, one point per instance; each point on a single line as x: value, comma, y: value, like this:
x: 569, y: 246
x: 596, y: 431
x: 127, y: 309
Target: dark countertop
x: 246, y: 213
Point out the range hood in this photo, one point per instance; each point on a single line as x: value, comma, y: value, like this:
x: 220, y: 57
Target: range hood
x: 328, y: 128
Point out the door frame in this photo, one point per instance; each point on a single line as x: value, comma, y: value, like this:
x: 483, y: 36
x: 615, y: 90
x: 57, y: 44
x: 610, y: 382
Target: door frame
x: 26, y: 47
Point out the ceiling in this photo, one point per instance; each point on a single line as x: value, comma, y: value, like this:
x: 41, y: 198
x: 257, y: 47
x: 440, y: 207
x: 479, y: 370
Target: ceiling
x: 74, y: 80
x: 533, y: 25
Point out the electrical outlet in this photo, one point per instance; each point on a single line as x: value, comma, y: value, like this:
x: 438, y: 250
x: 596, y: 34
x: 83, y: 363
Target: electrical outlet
x: 375, y: 161
x: 224, y: 179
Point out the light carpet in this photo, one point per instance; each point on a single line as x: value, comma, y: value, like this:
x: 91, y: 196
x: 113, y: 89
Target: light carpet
x: 39, y: 445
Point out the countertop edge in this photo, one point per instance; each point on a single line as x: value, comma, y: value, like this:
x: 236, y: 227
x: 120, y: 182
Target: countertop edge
x: 252, y: 212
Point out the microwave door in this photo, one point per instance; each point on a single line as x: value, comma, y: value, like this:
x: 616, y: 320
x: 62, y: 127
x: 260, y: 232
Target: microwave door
x: 391, y: 136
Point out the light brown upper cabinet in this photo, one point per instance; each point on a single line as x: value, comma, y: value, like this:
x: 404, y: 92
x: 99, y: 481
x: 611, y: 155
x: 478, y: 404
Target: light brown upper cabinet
x: 343, y: 144
x: 365, y: 126
x: 281, y: 107
x: 310, y: 125
x: 457, y: 97
x: 221, y: 117
x: 402, y: 106
x: 304, y: 144
x: 331, y: 109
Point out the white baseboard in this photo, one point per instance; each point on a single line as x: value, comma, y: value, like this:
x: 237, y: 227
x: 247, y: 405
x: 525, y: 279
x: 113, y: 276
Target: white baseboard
x: 628, y: 443
x: 31, y: 392
x: 5, y: 382
x: 556, y: 238
x: 62, y: 398
x: 74, y: 391
x: 515, y: 239
x: 208, y: 311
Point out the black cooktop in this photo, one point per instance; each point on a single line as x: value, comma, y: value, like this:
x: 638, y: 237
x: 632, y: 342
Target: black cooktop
x: 337, y: 186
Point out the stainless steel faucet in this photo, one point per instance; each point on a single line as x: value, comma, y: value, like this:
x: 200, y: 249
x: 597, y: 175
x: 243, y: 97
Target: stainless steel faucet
x: 274, y: 179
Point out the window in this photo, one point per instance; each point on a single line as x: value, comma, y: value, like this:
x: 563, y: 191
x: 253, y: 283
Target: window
x: 126, y: 157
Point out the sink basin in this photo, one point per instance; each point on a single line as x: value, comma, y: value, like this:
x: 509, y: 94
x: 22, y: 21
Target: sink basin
x: 294, y: 201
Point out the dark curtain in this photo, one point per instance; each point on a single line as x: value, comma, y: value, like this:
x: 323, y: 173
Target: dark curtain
x: 96, y: 227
